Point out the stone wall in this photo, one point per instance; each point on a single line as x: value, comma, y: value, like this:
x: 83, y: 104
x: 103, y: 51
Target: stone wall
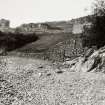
x: 70, y: 48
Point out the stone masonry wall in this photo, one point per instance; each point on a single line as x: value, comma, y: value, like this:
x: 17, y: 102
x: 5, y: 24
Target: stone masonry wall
x: 71, y: 49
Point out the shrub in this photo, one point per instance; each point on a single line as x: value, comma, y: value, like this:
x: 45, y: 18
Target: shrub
x: 95, y: 35
x: 11, y: 41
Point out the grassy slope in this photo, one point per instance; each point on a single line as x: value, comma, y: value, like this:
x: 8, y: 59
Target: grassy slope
x: 45, y: 42
x: 11, y: 41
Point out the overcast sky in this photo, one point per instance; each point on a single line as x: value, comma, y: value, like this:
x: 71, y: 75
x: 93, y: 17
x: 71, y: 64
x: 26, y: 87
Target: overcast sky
x: 26, y: 11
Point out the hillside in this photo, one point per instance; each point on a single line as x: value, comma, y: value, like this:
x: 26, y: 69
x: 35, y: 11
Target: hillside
x: 53, y: 47
x: 44, y: 42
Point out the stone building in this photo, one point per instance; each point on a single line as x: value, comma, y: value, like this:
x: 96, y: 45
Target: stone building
x: 37, y: 28
x: 4, y: 23
x: 78, y: 28
x: 70, y: 48
x: 79, y: 23
x: 5, y: 26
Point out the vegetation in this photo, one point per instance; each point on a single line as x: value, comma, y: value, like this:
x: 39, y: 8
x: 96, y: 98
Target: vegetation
x: 95, y: 35
x: 10, y: 41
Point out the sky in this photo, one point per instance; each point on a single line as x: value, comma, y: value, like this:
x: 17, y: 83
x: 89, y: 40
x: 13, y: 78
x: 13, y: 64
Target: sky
x: 28, y: 11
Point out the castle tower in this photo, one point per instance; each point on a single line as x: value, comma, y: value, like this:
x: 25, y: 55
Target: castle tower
x: 4, y: 23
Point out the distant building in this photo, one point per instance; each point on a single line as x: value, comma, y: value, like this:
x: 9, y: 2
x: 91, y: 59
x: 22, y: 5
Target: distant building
x: 79, y: 23
x: 37, y: 28
x: 4, y: 23
x: 78, y: 28
x: 43, y: 26
x: 5, y: 26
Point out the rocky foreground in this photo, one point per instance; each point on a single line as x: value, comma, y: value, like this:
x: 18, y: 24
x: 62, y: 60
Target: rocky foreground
x: 35, y: 82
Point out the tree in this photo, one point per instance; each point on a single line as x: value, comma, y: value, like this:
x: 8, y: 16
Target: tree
x: 95, y: 35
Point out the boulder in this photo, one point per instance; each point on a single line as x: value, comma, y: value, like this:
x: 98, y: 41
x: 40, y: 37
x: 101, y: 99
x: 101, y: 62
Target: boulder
x: 92, y: 61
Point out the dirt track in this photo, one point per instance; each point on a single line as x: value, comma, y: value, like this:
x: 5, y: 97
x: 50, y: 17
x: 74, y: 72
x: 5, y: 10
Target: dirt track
x: 35, y: 82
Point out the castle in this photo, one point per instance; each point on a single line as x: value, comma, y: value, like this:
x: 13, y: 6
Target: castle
x: 69, y: 48
x: 4, y: 23
x: 5, y: 26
